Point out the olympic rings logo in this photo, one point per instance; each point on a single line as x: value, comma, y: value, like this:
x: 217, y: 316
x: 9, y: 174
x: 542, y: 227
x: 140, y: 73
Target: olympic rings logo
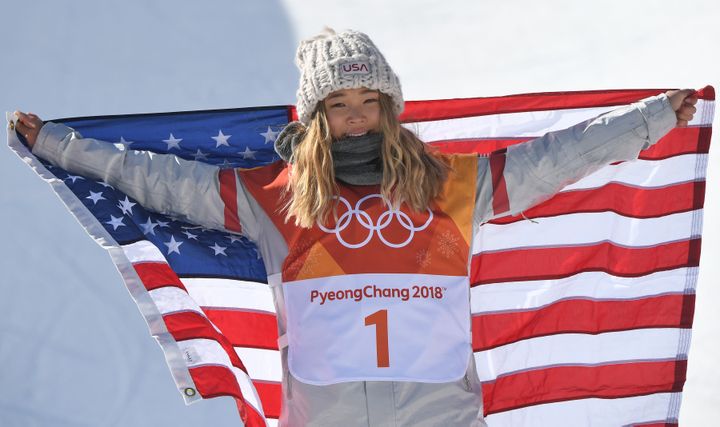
x: 382, y: 223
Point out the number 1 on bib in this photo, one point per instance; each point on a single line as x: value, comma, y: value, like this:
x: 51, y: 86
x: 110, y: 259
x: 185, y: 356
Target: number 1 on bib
x: 379, y: 319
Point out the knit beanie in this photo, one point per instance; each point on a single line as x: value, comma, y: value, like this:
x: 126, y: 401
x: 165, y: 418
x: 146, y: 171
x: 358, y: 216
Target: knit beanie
x: 347, y: 60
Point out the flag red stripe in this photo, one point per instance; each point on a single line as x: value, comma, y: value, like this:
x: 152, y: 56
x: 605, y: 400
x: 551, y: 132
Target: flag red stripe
x: 216, y: 381
x: 582, y: 316
x: 619, y: 198
x: 292, y: 114
x: 253, y: 417
x: 677, y: 142
x: 500, y: 199
x: 557, y: 262
x: 271, y: 397
x: 561, y: 383
x: 228, y: 194
x: 443, y: 109
x: 189, y: 325
x: 157, y: 275
x: 213, y: 381
x: 655, y: 424
x: 708, y: 92
x: 687, y: 315
x: 245, y: 328
x: 418, y: 111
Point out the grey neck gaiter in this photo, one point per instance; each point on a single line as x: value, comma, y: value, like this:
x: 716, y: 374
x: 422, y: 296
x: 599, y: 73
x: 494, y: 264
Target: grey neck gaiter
x: 356, y: 160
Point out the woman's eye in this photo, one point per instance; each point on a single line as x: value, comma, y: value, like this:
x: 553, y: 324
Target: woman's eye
x: 371, y: 100
x: 338, y: 105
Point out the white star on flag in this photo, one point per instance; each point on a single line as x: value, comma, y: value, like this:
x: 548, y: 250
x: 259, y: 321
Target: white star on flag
x: 105, y: 184
x: 149, y: 227
x: 248, y: 153
x: 95, y: 197
x: 200, y: 155
x: 172, y: 142
x: 173, y: 245
x: 219, y: 250
x: 190, y: 235
x: 163, y: 223
x: 233, y: 239
x: 115, y: 222
x: 73, y: 178
x: 124, y: 143
x: 270, y: 135
x: 221, y: 139
x: 126, y: 206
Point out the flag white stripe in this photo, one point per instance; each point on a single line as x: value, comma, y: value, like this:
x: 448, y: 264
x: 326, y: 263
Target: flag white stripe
x: 646, y: 173
x: 584, y: 229
x: 640, y: 344
x: 523, y: 124
x: 170, y: 299
x: 219, y: 293
x: 143, y: 251
x: 597, y: 412
x: 497, y: 297
x: 262, y: 364
x: 202, y: 351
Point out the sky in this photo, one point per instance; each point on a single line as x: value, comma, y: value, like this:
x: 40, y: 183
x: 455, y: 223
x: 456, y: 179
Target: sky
x: 74, y: 347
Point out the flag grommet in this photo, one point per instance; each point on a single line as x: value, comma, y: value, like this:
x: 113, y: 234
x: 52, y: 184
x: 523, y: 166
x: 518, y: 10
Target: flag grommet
x: 190, y: 392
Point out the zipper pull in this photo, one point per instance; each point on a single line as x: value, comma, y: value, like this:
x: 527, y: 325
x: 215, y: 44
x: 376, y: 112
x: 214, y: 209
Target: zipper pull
x: 467, y: 383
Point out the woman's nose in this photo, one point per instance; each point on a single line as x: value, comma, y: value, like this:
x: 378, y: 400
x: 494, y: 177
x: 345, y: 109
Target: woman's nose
x: 356, y: 115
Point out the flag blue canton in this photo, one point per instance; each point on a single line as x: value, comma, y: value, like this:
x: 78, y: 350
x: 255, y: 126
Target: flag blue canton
x: 230, y: 138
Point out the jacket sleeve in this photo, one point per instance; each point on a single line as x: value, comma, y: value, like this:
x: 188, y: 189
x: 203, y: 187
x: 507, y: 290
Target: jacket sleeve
x: 513, y: 180
x: 191, y: 191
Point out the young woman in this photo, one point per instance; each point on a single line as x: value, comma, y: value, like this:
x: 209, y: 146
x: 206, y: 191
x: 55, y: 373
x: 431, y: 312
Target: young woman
x: 357, y: 214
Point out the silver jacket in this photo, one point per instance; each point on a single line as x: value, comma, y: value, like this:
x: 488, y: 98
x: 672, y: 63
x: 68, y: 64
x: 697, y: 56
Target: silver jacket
x: 190, y: 191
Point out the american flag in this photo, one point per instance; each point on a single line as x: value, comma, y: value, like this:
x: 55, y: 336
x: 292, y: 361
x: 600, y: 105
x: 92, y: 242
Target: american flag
x: 581, y: 311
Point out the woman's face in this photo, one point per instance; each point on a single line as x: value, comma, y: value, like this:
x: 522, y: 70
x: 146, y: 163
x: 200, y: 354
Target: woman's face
x: 353, y: 112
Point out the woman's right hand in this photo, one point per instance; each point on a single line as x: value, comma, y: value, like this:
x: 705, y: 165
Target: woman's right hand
x: 28, y: 125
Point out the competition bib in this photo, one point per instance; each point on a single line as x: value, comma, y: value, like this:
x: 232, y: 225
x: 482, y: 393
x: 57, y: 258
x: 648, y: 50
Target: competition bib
x: 376, y: 292
x: 384, y: 327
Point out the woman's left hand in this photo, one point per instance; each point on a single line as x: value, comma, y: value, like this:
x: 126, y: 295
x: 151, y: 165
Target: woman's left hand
x: 683, y: 103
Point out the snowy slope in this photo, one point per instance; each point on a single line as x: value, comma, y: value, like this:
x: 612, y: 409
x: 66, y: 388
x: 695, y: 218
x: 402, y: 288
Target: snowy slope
x: 74, y: 348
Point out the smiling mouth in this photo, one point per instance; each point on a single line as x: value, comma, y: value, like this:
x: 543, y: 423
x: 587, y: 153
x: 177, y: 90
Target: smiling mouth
x: 355, y: 135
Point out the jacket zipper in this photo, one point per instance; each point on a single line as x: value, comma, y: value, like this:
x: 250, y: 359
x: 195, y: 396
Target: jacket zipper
x: 467, y: 383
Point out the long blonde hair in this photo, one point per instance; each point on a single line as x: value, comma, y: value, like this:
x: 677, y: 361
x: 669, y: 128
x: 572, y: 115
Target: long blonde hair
x: 412, y: 173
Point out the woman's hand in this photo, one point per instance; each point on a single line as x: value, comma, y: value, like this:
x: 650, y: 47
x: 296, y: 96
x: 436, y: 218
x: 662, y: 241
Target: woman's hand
x: 28, y: 125
x: 683, y: 103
